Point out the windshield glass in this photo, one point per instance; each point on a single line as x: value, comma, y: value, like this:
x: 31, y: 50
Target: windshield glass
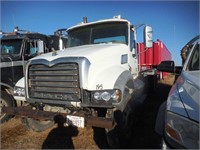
x: 194, y: 62
x: 114, y: 32
x: 11, y: 47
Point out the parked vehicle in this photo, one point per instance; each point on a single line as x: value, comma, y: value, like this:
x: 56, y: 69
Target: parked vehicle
x: 16, y: 48
x: 178, y: 117
x: 95, y: 81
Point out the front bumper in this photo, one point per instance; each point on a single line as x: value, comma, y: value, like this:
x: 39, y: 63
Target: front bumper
x: 168, y: 143
x: 27, y: 111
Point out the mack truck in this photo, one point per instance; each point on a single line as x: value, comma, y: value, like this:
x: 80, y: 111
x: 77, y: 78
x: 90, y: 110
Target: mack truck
x: 16, y: 48
x: 96, y: 81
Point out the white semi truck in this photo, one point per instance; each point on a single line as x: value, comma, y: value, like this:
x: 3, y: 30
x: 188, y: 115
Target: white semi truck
x: 94, y: 81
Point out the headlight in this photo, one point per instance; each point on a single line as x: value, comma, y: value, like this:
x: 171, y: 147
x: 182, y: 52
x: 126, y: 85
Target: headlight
x: 107, y: 96
x: 18, y: 91
x: 182, y: 130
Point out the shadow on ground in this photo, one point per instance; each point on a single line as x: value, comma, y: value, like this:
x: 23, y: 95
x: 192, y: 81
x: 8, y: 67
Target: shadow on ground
x: 60, y: 137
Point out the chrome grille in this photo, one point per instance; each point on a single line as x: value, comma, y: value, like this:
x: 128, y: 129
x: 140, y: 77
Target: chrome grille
x: 59, y: 82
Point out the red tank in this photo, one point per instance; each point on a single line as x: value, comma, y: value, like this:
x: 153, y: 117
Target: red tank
x: 151, y: 57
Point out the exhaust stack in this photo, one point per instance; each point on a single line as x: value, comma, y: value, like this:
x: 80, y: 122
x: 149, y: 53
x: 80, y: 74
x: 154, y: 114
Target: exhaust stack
x: 84, y: 19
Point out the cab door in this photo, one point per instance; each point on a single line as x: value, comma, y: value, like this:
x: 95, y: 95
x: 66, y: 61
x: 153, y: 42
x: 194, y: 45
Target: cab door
x: 34, y: 48
x: 133, y: 57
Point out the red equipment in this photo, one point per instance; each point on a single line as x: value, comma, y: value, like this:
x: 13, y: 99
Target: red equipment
x: 151, y: 57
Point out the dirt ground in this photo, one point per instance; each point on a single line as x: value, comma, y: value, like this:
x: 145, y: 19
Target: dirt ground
x: 15, y: 136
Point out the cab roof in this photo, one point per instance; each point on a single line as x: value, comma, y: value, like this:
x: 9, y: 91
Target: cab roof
x: 115, y: 19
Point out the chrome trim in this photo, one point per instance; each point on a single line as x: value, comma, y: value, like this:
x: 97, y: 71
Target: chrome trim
x: 83, y: 64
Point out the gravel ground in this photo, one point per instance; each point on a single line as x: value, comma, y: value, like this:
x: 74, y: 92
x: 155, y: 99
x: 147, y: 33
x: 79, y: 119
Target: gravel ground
x: 15, y: 136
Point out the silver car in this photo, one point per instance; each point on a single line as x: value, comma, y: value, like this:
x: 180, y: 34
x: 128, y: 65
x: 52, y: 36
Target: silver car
x: 178, y: 117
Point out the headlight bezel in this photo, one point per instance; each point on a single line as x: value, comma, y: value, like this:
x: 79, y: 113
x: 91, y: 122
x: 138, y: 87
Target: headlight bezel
x: 106, y: 96
x: 19, y: 91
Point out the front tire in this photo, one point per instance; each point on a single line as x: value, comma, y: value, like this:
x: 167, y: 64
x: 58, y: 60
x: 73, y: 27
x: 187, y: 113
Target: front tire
x: 119, y: 135
x: 6, y: 101
x: 112, y: 134
x: 36, y: 125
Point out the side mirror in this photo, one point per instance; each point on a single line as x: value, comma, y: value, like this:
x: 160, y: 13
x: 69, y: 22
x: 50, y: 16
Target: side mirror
x: 148, y: 37
x: 169, y: 66
x: 40, y: 46
x: 166, y: 66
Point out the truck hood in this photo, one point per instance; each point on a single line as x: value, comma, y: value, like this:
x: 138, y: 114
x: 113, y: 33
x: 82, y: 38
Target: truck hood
x: 189, y: 91
x: 91, y: 52
x: 101, y: 59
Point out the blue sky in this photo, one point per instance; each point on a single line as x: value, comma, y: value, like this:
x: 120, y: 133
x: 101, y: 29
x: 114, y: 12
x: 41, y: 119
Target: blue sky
x: 173, y: 22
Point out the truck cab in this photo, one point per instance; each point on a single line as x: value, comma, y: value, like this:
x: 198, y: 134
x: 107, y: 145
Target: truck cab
x: 100, y: 62
x: 16, y: 49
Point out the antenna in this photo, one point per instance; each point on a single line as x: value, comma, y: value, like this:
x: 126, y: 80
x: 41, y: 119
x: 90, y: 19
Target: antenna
x: 139, y: 25
x: 13, y: 20
x: 174, y: 36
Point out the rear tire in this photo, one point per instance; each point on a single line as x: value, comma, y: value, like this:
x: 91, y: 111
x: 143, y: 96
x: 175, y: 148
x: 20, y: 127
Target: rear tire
x: 36, y: 125
x: 6, y: 101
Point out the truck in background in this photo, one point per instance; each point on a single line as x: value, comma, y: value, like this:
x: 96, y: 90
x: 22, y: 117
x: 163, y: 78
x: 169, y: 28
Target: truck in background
x: 16, y: 48
x: 95, y: 81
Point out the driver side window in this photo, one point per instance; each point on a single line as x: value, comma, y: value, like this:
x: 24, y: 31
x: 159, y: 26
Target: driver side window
x: 31, y: 49
x: 132, y: 41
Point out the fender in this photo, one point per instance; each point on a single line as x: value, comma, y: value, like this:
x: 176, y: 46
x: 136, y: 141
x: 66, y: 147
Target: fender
x: 7, y: 88
x: 125, y: 83
x: 21, y: 83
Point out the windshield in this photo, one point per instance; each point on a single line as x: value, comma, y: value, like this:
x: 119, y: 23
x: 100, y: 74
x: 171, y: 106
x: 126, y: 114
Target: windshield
x: 114, y: 32
x: 11, y: 47
x: 194, y: 62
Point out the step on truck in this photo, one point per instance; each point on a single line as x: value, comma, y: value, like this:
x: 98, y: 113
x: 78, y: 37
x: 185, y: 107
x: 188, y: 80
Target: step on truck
x: 95, y: 81
x: 16, y: 48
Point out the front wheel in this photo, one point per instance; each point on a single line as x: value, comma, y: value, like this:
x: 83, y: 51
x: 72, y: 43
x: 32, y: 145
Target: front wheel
x: 112, y: 134
x: 36, y: 125
x: 6, y: 101
x: 120, y: 135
